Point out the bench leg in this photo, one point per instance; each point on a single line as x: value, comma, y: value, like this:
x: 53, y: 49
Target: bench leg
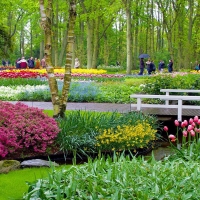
x: 167, y: 101
x: 138, y: 104
x: 180, y: 110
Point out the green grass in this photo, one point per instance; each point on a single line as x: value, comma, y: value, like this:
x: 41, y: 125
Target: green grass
x: 13, y: 184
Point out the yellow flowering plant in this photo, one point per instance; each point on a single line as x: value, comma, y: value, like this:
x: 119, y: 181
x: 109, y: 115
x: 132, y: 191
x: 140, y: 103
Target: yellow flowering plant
x: 126, y: 137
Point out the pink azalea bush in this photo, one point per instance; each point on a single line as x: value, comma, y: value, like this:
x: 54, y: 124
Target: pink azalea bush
x: 25, y: 129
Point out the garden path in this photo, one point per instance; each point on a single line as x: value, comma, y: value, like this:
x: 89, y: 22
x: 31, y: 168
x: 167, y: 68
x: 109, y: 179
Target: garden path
x: 122, y: 108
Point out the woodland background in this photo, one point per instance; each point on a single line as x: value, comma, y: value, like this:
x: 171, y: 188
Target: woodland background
x: 106, y: 31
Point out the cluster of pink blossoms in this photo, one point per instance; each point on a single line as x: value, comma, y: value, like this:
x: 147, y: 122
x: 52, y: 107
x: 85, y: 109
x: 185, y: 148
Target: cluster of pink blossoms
x: 188, y: 127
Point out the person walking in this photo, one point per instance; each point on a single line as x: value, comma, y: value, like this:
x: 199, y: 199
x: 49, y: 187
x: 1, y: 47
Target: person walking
x: 161, y: 66
x: 152, y: 67
x: 148, y: 66
x: 170, y: 66
x: 142, y: 66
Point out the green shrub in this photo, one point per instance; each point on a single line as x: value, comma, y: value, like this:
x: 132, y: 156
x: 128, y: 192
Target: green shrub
x: 80, y: 129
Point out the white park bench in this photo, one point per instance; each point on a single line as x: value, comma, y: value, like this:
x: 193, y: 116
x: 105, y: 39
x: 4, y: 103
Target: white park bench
x: 167, y: 91
x: 167, y: 98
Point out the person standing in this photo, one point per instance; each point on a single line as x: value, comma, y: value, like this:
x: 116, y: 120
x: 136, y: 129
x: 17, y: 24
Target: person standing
x: 77, y: 63
x: 31, y: 63
x: 141, y: 66
x: 23, y: 63
x: 17, y: 64
x: 37, y: 63
x: 43, y: 62
x: 148, y: 63
x: 4, y: 63
x: 170, y: 66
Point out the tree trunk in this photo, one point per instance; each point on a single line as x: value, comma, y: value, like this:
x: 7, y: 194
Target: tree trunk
x: 59, y: 102
x: 89, y: 45
x: 63, y: 48
x: 129, y: 37
x: 96, y: 44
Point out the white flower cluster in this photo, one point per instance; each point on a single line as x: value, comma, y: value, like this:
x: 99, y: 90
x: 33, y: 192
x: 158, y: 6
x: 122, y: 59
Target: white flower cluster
x: 14, y: 91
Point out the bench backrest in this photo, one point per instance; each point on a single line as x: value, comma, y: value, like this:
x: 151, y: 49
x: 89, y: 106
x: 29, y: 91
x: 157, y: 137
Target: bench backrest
x: 180, y: 90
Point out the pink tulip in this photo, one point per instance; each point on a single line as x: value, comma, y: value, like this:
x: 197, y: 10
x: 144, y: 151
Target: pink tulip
x: 191, y: 121
x: 190, y: 127
x: 185, y: 122
x: 172, y: 138
x: 196, y: 118
x: 176, y: 122
x: 185, y: 133
x: 197, y: 130
x: 165, y: 128
x: 198, y: 121
x: 193, y: 124
x: 192, y: 133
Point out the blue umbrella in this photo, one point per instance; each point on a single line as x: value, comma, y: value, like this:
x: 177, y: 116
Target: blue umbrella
x: 144, y: 56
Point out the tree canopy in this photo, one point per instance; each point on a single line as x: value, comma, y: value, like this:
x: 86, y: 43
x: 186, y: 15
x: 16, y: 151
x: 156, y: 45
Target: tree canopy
x: 107, y: 31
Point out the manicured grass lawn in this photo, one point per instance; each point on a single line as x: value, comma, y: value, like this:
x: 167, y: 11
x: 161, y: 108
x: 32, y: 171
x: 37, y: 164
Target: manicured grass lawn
x: 13, y: 184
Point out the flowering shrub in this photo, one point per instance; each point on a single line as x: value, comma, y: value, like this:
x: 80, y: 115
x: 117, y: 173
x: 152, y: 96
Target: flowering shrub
x: 126, y: 137
x: 24, y: 129
x: 189, y: 144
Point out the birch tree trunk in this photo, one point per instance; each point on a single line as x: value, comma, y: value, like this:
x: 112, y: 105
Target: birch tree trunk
x: 59, y: 102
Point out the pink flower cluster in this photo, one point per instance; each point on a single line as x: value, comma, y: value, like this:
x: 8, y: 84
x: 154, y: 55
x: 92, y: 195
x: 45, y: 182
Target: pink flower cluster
x: 188, y: 127
x: 25, y: 129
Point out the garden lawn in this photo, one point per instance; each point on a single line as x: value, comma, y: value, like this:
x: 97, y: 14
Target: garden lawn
x: 13, y: 184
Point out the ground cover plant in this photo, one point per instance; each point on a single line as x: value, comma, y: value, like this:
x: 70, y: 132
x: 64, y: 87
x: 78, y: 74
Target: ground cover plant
x: 121, y: 178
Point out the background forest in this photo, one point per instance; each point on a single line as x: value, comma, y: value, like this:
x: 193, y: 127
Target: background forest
x: 106, y: 32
